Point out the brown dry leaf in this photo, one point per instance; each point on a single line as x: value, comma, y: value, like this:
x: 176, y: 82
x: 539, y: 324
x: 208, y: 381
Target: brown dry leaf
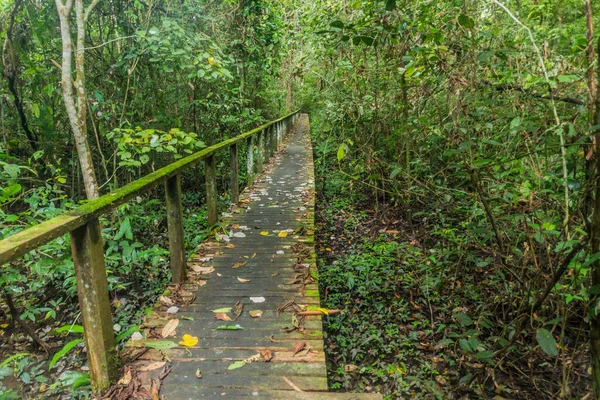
x: 203, y: 270
x: 169, y: 328
x: 350, y: 368
x: 235, y: 226
x: 237, y: 309
x: 298, y: 347
x: 267, y: 355
x: 230, y: 245
x: 303, y: 352
x: 154, y: 389
x: 240, y: 264
x: 165, y: 300
x: 256, y: 313
x: 152, y: 366
x: 253, y: 255
x: 198, y: 373
x: 243, y: 280
x: 126, y: 379
x: 275, y: 274
x: 223, y: 317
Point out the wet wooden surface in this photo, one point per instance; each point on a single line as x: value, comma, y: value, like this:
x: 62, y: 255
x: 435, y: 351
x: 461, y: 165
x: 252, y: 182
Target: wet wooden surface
x: 265, y: 260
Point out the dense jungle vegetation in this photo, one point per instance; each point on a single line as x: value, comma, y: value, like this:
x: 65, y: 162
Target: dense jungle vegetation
x: 457, y: 168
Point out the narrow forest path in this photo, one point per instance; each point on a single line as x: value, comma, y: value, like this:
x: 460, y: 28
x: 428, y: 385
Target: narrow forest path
x: 265, y: 264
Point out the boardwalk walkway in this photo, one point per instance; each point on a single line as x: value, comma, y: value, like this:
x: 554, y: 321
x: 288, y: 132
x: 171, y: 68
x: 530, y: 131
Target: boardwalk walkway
x: 263, y: 265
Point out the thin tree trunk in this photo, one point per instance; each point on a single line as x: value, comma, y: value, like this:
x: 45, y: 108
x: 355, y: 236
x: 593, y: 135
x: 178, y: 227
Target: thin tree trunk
x: 77, y: 112
x: 595, y: 236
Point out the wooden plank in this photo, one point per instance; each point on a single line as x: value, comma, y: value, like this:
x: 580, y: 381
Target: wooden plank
x: 21, y: 243
x: 210, y: 169
x: 175, y: 229
x: 92, y: 290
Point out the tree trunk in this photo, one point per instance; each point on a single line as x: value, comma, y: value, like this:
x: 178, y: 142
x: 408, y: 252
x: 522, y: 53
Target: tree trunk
x: 77, y: 112
x: 595, y: 236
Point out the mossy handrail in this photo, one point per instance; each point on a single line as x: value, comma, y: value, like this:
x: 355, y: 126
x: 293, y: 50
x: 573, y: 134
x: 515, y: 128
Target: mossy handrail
x: 86, y: 240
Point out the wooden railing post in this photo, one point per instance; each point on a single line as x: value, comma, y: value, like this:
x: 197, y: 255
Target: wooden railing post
x: 261, y: 146
x: 211, y: 189
x: 175, y: 227
x: 250, y: 161
x: 233, y: 162
x: 92, y: 290
x: 267, y: 149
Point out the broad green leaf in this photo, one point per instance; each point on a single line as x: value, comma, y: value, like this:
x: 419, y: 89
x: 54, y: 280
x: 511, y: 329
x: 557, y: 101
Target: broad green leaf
x: 236, y: 365
x: 340, y: 152
x: 161, y: 344
x: 62, y: 352
x: 466, y: 21
x: 546, y: 342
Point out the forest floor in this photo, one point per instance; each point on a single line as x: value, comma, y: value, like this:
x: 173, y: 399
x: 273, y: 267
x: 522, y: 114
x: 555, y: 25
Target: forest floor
x: 416, y: 326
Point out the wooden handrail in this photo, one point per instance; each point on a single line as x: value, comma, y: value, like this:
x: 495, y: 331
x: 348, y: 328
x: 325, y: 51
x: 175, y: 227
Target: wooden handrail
x: 29, y: 239
x: 87, y: 248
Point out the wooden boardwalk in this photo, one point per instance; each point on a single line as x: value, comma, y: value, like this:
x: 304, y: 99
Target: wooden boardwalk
x: 263, y: 264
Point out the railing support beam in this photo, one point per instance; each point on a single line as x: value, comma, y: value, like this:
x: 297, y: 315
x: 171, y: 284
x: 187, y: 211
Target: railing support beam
x: 261, y: 148
x: 175, y: 227
x: 92, y: 290
x: 211, y: 189
x: 233, y: 162
x: 250, y: 161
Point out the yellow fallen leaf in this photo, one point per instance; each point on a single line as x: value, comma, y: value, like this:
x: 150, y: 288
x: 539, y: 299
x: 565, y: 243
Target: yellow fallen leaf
x: 230, y: 245
x: 264, y: 233
x: 4, y: 326
x: 189, y: 340
x: 243, y: 280
x: 282, y: 234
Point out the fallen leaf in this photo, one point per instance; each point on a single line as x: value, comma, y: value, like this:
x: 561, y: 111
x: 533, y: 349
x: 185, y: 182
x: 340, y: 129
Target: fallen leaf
x: 203, y: 270
x: 267, y: 355
x: 243, y: 280
x: 258, y: 299
x: 256, y: 313
x: 350, y: 368
x: 282, y: 234
x: 230, y: 245
x: 239, y: 235
x: 152, y: 366
x: 126, y: 379
x: 165, y: 300
x: 223, y: 317
x: 280, y: 252
x: 161, y: 344
x: 198, y: 374
x: 137, y: 336
x: 238, y: 308
x: 440, y: 379
x: 169, y: 328
x: 303, y: 352
x: 235, y: 327
x: 236, y: 365
x: 275, y: 274
x: 240, y: 264
x: 235, y: 226
x: 264, y: 233
x: 298, y: 347
x: 172, y: 310
x: 253, y: 255
x: 189, y: 340
x: 222, y: 310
